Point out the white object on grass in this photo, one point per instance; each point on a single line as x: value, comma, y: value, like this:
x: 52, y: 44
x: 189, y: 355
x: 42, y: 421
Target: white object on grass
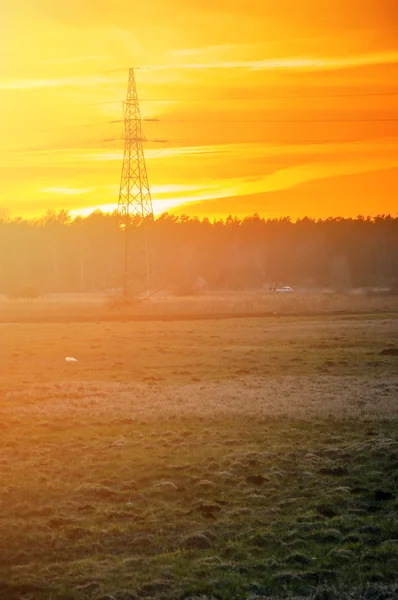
x: 70, y: 359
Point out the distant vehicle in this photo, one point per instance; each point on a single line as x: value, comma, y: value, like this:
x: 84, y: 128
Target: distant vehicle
x: 284, y: 290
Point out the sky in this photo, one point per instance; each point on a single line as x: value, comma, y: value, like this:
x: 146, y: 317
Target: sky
x: 280, y: 107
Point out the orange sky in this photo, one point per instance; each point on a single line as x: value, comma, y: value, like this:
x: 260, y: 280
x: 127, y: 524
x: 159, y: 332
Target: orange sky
x: 281, y: 107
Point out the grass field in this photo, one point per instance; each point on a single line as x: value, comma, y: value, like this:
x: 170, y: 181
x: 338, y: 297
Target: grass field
x: 240, y: 458
x: 86, y: 307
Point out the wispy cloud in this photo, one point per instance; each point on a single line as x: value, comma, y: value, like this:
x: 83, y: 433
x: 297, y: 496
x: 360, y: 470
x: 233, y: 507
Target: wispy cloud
x: 206, y: 50
x: 65, y: 82
x: 243, y: 151
x: 72, y: 59
x: 152, y: 154
x: 67, y: 191
x: 291, y: 63
x: 290, y: 177
x: 267, y: 64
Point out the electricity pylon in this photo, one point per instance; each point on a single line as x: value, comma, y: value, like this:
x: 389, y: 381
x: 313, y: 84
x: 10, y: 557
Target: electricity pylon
x: 143, y: 274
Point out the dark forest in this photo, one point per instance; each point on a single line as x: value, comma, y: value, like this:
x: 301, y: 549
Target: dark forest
x: 59, y: 254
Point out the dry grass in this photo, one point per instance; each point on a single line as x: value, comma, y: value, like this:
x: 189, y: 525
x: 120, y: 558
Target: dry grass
x: 292, y: 397
x: 242, y: 458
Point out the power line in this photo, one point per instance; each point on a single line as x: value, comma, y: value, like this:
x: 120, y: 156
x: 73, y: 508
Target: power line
x: 259, y: 98
x: 253, y: 121
x: 162, y: 120
x: 265, y: 98
x: 140, y: 139
x: 189, y: 143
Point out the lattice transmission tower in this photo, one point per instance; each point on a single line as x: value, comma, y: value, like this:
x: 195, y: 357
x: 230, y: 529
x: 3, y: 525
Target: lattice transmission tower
x: 143, y: 273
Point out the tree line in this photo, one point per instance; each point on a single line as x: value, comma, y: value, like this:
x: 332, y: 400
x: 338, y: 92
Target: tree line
x: 59, y: 254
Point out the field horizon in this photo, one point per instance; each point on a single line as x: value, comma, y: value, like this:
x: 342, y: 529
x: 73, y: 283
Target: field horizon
x: 196, y: 305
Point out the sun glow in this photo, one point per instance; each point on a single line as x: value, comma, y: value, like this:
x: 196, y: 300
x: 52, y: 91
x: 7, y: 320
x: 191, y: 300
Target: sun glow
x: 288, y: 114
